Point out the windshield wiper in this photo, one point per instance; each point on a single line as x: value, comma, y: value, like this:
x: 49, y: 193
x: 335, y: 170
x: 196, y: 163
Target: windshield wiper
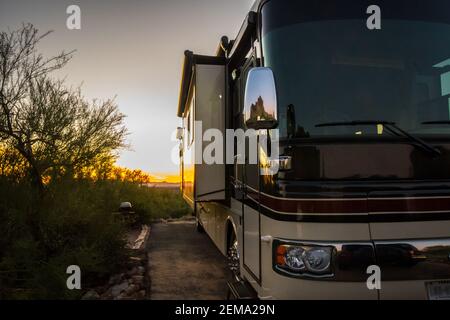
x: 391, y: 127
x: 437, y: 122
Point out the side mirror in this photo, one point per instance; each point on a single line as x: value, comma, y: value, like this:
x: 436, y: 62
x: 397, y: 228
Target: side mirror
x: 179, y: 133
x: 260, y: 102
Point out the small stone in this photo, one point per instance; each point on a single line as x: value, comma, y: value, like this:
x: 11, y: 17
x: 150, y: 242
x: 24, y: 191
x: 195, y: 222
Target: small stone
x: 102, y: 290
x: 136, y: 260
x: 121, y: 296
x: 107, y: 294
x: 117, y: 289
x: 137, y: 279
x: 133, y: 271
x: 131, y: 289
x: 115, y: 279
x: 140, y: 294
x: 141, y: 270
x: 91, y: 295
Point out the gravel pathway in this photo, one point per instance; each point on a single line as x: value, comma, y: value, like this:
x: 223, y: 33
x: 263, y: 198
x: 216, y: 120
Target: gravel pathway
x: 185, y: 264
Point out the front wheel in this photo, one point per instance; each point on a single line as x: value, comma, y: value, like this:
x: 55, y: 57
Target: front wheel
x: 199, y: 227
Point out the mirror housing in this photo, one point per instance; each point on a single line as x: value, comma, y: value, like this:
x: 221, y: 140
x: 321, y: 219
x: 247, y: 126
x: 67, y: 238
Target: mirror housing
x: 260, y: 101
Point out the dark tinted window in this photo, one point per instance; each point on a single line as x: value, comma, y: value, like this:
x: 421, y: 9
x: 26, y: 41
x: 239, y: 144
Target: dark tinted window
x: 337, y: 70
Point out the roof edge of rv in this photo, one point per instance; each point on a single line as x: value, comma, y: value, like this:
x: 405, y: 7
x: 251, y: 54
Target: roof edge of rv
x: 228, y: 51
x: 245, y: 32
x: 187, y: 70
x: 190, y: 59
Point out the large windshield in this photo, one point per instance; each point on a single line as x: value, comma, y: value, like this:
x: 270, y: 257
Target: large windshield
x: 337, y: 70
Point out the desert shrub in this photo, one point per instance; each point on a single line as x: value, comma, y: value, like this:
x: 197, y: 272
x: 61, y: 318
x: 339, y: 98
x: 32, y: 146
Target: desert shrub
x: 73, y: 230
x: 153, y: 203
x: 149, y: 203
x: 76, y: 227
x: 54, y: 144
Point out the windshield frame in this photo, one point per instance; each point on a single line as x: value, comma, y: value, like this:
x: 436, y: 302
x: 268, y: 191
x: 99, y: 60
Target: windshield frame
x: 413, y: 10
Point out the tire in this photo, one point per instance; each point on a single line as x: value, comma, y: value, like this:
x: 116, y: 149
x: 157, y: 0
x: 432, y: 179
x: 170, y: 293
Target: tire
x: 199, y: 227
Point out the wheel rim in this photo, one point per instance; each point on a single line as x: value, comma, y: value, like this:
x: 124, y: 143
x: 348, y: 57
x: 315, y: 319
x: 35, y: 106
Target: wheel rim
x: 233, y: 258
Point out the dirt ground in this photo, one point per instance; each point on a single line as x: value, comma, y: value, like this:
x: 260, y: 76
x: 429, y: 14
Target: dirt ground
x: 185, y: 264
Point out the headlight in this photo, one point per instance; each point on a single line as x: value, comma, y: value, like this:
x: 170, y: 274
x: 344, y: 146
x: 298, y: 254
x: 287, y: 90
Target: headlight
x: 303, y: 259
x: 318, y: 260
x: 294, y: 259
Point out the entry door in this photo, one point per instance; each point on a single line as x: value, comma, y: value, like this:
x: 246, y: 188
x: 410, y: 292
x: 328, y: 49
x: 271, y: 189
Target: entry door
x: 251, y: 216
x: 251, y: 220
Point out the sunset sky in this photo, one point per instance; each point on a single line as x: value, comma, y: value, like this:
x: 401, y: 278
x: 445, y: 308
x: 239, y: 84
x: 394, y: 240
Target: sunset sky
x: 132, y: 50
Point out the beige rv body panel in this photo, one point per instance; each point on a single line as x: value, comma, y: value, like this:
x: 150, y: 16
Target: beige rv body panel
x: 275, y: 286
x: 216, y: 217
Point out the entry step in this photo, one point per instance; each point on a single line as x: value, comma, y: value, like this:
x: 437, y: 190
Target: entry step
x: 240, y: 290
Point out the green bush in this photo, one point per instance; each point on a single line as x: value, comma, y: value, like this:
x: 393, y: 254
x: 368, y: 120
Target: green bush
x: 76, y: 226
x: 149, y: 203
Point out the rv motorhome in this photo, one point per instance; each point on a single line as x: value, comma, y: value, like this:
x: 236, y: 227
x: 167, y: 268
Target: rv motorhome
x: 358, y: 93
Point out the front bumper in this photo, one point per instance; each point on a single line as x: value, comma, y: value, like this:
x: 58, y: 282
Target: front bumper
x: 406, y: 267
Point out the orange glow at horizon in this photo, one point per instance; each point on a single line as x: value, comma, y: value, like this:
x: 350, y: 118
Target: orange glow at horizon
x: 163, y: 177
